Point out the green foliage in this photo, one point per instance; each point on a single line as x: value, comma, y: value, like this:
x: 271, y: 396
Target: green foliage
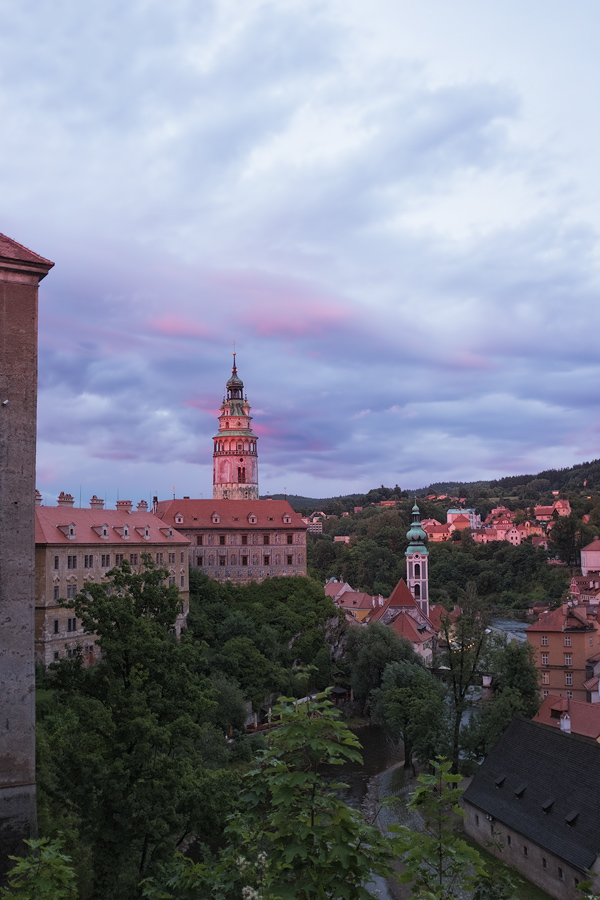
x: 516, y: 682
x: 44, y: 874
x: 292, y: 838
x: 411, y: 703
x: 567, y: 538
x: 130, y: 757
x: 466, y: 644
x: 438, y: 864
x: 255, y: 634
x: 369, y: 651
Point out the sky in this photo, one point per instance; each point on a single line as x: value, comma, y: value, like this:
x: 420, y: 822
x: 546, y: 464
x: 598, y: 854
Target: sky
x: 392, y: 208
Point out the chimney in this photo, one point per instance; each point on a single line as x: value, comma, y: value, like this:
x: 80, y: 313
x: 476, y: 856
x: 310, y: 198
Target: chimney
x: 124, y: 506
x: 142, y: 506
x: 155, y: 504
x: 38, y: 498
x: 65, y: 500
x: 96, y: 503
x: 565, y: 723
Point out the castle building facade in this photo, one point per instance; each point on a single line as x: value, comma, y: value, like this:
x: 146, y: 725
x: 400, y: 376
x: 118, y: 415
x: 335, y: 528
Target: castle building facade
x: 76, y: 547
x: 236, y: 536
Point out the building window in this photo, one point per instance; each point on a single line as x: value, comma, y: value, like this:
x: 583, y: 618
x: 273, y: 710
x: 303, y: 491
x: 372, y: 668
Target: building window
x: 244, y: 560
x: 88, y: 561
x: 105, y: 561
x: 199, y: 561
x: 118, y: 559
x: 199, y: 540
x: 569, y: 695
x: 591, y: 642
x: 56, y: 656
x: 544, y: 640
x: 508, y: 839
x: 56, y: 593
x: 545, y: 678
x: 71, y: 562
x: 290, y: 560
x: 568, y: 678
x: 171, y: 558
x: 567, y: 640
x: 221, y: 560
x: 182, y: 581
x: 544, y: 659
x: 290, y: 538
x: 266, y: 539
x: 56, y: 626
x: 71, y: 591
x: 159, y: 559
x: 222, y: 540
x: 544, y: 863
x: 561, y: 874
x: 56, y: 562
x: 544, y: 694
x: 266, y: 560
x: 568, y: 659
x: 244, y: 540
x: 525, y: 850
x: 476, y: 819
x: 133, y: 559
x: 71, y: 624
x: 171, y: 580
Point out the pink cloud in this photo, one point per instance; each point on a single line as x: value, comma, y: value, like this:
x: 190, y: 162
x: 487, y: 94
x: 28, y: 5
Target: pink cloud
x: 465, y: 359
x: 178, y: 326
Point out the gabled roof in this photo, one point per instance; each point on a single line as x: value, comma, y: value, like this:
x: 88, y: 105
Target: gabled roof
x: 10, y: 249
x: 585, y: 717
x: 536, y: 780
x: 355, y: 600
x: 595, y: 545
x: 405, y: 626
x: 231, y: 513
x: 401, y: 598
x: 336, y: 588
x: 52, y: 527
x: 565, y: 618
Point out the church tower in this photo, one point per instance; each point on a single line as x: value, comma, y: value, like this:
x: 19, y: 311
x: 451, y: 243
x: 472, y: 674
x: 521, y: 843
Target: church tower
x: 417, y: 561
x: 235, y: 460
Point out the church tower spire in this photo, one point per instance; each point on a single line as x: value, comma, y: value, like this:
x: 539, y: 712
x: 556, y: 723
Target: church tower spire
x: 417, y: 561
x: 235, y: 459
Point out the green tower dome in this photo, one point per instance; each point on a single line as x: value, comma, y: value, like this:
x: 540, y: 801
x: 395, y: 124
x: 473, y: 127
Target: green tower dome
x: 417, y: 537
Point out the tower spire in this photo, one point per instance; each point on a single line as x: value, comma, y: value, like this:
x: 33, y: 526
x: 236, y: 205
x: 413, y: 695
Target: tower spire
x: 417, y: 561
x: 235, y: 458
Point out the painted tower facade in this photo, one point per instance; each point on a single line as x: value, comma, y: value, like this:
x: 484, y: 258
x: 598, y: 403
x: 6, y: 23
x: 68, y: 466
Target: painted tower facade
x: 235, y: 458
x: 417, y: 561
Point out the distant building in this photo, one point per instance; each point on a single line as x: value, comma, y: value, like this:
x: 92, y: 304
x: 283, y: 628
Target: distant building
x: 76, y: 547
x: 563, y: 640
x: 590, y: 558
x: 574, y: 716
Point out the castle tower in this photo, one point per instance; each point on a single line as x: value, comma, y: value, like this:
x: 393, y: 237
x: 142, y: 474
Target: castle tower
x: 417, y: 561
x: 235, y: 459
x: 20, y: 273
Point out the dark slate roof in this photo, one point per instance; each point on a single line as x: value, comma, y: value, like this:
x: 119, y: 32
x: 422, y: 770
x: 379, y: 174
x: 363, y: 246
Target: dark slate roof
x: 541, y: 765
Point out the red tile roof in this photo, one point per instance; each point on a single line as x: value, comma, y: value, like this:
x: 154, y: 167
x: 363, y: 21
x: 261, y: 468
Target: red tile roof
x: 10, y: 249
x: 563, y: 618
x: 405, y: 626
x: 232, y: 513
x: 401, y: 598
x: 49, y: 520
x: 585, y: 717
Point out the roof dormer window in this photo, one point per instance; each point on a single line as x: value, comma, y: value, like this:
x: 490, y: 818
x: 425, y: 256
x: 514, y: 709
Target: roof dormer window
x: 147, y: 533
x: 126, y: 531
x: 215, y: 518
x: 178, y: 519
x: 252, y: 520
x: 287, y: 519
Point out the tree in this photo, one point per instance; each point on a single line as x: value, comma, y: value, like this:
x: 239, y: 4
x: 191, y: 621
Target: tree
x: 438, y: 863
x: 293, y: 838
x: 411, y: 705
x: 134, y: 755
x: 567, y: 538
x: 369, y: 651
x: 465, y: 639
x: 44, y: 874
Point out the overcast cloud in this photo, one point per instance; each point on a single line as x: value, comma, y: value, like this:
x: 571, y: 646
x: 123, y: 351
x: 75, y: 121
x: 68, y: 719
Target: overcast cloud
x: 393, y: 211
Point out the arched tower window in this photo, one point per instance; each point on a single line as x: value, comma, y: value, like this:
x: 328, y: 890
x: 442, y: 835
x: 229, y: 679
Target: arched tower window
x: 417, y: 570
x: 417, y: 590
x: 241, y: 474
